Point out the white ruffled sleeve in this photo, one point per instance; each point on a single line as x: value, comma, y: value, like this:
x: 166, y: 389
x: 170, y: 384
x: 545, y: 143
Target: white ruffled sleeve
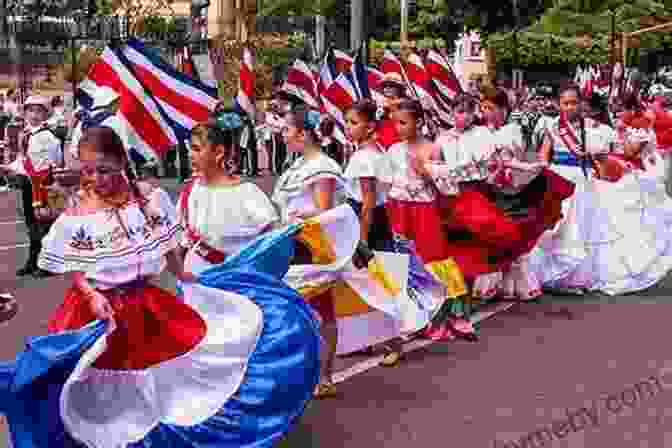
x: 66, y: 247
x: 363, y: 164
x: 162, y: 219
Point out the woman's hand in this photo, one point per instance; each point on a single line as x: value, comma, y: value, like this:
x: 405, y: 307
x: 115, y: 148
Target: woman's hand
x: 102, y: 308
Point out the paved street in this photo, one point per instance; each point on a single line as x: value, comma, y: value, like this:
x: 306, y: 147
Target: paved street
x: 538, y: 377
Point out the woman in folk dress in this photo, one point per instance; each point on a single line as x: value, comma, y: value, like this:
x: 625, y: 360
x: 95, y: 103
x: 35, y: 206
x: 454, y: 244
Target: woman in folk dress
x: 220, y: 212
x: 166, y: 372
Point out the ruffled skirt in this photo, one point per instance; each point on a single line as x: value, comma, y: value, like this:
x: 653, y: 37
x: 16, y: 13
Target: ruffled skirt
x: 615, y: 238
x: 232, y: 366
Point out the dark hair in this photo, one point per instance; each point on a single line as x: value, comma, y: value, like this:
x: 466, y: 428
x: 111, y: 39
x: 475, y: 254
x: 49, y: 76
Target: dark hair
x: 631, y: 103
x: 366, y: 108
x: 105, y: 140
x: 302, y: 117
x: 496, y: 96
x: 469, y: 100
x: 566, y: 86
x: 413, y: 107
x: 216, y: 135
x: 327, y: 126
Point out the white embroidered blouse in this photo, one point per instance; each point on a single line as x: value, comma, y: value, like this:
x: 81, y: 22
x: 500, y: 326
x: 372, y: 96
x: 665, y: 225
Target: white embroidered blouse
x: 405, y: 184
x: 114, y: 246
x: 227, y: 217
x: 366, y: 162
x: 293, y: 191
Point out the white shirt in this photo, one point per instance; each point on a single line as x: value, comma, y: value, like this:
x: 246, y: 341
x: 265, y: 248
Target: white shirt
x: 460, y: 149
x: 366, y: 162
x: 44, y: 150
x: 405, y: 184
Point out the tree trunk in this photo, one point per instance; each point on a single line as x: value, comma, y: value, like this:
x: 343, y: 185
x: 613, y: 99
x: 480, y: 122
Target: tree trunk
x: 491, y: 61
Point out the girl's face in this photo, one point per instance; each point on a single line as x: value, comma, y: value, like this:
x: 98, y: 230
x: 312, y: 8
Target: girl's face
x: 407, y: 124
x: 203, y: 156
x: 103, y: 173
x: 493, y: 115
x: 295, y: 138
x: 569, y: 104
x: 358, y: 128
x: 35, y: 114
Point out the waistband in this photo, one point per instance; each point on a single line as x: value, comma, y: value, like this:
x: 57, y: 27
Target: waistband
x: 121, y: 290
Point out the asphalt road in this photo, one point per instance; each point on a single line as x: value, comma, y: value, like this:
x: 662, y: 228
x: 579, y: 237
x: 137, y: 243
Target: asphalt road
x: 565, y: 372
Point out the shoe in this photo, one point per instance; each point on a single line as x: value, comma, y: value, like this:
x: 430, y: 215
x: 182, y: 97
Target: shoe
x: 26, y: 270
x: 391, y: 359
x: 325, y: 390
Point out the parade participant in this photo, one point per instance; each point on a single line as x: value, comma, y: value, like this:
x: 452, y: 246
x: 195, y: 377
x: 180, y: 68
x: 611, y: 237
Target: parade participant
x: 575, y: 147
x: 309, y: 186
x: 367, y: 195
x: 219, y: 211
x: 156, y: 370
x: 40, y: 151
x: 638, y: 209
x: 394, y: 91
x: 529, y: 195
x: 662, y: 122
x: 277, y: 151
x: 414, y: 216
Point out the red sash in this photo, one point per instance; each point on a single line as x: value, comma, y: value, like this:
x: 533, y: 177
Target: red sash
x: 209, y: 254
x: 568, y: 136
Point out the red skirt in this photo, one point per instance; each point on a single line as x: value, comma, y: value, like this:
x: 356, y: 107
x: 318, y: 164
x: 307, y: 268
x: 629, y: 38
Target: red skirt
x: 152, y: 326
x: 482, y: 238
x: 419, y: 222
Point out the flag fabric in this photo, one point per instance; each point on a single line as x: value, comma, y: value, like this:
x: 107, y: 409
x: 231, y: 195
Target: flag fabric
x: 186, y: 64
x: 328, y: 71
x: 360, y: 76
x: 391, y: 63
x: 342, y: 61
x: 442, y: 74
x: 245, y: 98
x: 186, y: 100
x: 424, y: 89
x: 300, y: 82
x: 151, y: 131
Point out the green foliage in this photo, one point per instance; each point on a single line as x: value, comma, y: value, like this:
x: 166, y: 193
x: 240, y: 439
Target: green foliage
x: 300, y: 8
x: 572, y: 17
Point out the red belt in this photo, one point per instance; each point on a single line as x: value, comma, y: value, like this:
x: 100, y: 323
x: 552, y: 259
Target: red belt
x: 209, y: 254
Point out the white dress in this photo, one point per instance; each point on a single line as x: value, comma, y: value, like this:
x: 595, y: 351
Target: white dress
x: 225, y: 217
x: 607, y: 240
x: 366, y: 162
x: 111, y: 408
x: 357, y: 327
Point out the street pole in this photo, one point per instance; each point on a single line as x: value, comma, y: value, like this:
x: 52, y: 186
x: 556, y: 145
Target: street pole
x: 356, y: 23
x: 320, y: 35
x: 404, y: 27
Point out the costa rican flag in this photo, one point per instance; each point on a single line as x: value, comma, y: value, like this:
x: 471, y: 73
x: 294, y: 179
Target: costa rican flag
x: 185, y: 100
x: 424, y: 88
x: 301, y: 83
x: 186, y: 64
x: 245, y: 98
x: 343, y: 61
x: 360, y: 76
x: 391, y: 64
x: 328, y: 71
x: 442, y: 75
x: 145, y: 122
x: 337, y: 99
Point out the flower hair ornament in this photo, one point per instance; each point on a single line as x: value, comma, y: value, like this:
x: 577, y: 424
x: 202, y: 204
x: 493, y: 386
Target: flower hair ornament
x: 229, y: 121
x: 311, y: 119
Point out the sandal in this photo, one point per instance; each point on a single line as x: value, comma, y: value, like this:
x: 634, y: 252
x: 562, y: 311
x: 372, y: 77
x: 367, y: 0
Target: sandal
x: 392, y: 357
x: 325, y: 390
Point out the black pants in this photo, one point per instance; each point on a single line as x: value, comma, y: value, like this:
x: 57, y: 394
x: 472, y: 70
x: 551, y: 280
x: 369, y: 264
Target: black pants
x: 277, y: 153
x: 37, y: 230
